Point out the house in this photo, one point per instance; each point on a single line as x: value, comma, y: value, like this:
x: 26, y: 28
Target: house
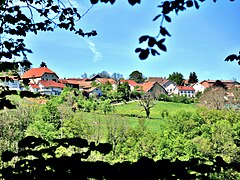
x: 187, y: 91
x: 152, y: 87
x: 93, y: 91
x: 50, y: 87
x: 132, y: 84
x: 12, y: 82
x: 107, y: 80
x: 70, y: 82
x: 34, y: 87
x: 36, y: 74
x: 199, y: 87
x: 168, y: 85
x: 84, y: 85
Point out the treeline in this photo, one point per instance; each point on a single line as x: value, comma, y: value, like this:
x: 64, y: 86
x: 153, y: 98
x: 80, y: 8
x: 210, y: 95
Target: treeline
x: 203, y: 134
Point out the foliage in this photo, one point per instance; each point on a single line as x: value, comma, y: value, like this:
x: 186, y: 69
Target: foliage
x: 137, y: 77
x: 233, y: 57
x: 193, y: 78
x: 43, y: 64
x: 42, y: 129
x: 106, y: 107
x: 117, y: 76
x: 38, y: 159
x: 124, y: 90
x: 213, y: 98
x: 176, y: 77
x: 176, y: 99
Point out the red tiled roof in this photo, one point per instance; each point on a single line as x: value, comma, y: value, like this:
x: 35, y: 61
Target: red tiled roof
x: 185, y: 88
x: 51, y: 84
x: 129, y: 81
x: 37, y: 72
x: 146, y: 86
x: 85, y: 84
x: 35, y: 86
x: 68, y: 81
x: 105, y: 80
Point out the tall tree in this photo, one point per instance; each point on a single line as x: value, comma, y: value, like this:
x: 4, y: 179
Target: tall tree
x: 43, y: 64
x: 176, y: 77
x: 117, y: 76
x: 84, y: 75
x: 193, y: 78
x: 104, y: 74
x: 124, y: 90
x: 137, y: 76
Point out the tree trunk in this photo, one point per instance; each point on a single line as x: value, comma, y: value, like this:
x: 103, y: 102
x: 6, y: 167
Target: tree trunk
x: 147, y: 113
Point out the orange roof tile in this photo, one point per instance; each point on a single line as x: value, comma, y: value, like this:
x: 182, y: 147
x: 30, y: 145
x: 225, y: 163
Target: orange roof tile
x: 146, y: 86
x: 185, y: 88
x: 129, y: 81
x: 37, y: 72
x: 35, y: 86
x: 51, y: 84
x: 85, y: 84
x: 105, y: 80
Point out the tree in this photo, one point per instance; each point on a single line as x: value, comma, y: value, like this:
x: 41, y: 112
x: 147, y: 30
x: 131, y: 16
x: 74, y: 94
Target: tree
x: 176, y: 77
x: 104, y: 74
x: 213, y: 98
x: 146, y: 101
x: 124, y: 90
x: 84, y: 75
x: 137, y: 77
x: 117, y: 76
x: 43, y: 64
x: 193, y: 78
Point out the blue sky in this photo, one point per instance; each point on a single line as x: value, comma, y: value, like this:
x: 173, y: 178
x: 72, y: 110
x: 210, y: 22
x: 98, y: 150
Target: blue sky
x: 200, y: 41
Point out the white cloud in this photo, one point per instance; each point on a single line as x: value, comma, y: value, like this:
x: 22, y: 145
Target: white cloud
x: 97, y: 54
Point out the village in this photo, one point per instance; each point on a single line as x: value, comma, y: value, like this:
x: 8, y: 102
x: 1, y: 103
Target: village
x: 45, y: 81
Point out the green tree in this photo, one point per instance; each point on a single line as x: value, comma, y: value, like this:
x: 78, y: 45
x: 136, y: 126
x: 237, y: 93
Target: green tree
x: 193, y: 78
x: 105, y: 106
x: 137, y: 77
x: 176, y: 77
x: 124, y: 90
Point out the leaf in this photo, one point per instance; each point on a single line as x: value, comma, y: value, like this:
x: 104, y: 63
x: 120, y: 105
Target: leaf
x: 231, y: 57
x: 162, y: 47
x: 161, y: 41
x: 156, y: 17
x: 164, y: 32
x: 133, y: 2
x: 138, y: 50
x: 144, y: 54
x: 168, y: 19
x: 154, y: 52
x: 94, y: 1
x: 143, y: 38
x: 196, y: 4
x: 189, y: 3
x: 151, y: 41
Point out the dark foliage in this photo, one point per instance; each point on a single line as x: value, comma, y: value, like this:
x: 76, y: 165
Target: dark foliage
x: 233, y: 57
x: 76, y: 166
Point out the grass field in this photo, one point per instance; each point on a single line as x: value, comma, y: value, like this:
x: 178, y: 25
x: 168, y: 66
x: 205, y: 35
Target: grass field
x: 132, y: 115
x: 135, y: 109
